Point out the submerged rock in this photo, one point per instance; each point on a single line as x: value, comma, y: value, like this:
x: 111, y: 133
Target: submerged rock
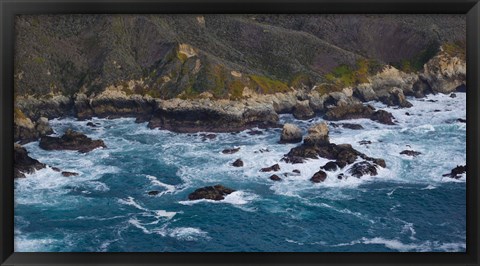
x: 24, y: 164
x: 153, y: 192
x: 68, y: 174
x: 238, y: 163
x: 457, y: 171
x: 410, y: 153
x: 291, y: 134
x: 363, y: 168
x: 71, y: 140
x: 461, y: 120
x: 275, y: 178
x: 364, y: 142
x: 217, y: 192
x: 319, y: 177
x: 352, y: 126
x: 231, y: 151
x: 273, y: 168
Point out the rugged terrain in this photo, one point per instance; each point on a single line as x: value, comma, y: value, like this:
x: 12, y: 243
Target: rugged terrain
x: 190, y: 73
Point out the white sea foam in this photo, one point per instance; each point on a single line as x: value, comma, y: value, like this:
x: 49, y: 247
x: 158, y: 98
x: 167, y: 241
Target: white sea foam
x: 154, y: 181
x: 234, y: 198
x: 130, y: 201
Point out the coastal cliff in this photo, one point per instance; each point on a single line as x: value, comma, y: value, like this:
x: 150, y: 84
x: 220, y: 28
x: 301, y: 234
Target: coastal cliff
x: 226, y: 73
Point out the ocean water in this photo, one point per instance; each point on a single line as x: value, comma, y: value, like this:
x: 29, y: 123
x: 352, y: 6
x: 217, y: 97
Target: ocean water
x: 408, y: 207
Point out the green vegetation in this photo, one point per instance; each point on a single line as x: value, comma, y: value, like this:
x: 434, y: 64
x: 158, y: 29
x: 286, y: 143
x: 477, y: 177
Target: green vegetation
x: 416, y: 63
x: 457, y: 49
x: 39, y: 60
x: 269, y: 86
x: 235, y: 89
x: 347, y: 76
x: 299, y: 80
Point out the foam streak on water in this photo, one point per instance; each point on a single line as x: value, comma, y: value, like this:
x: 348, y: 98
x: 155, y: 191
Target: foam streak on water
x: 408, y: 207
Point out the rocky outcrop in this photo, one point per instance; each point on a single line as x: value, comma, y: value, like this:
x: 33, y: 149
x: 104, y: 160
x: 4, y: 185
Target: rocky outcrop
x: 25, y: 130
x: 317, y: 135
x: 319, y: 177
x: 291, y: 134
x: 238, y: 163
x: 273, y: 168
x: 444, y: 73
x: 231, y: 151
x: 348, y: 125
x: 113, y: 103
x: 206, y: 115
x: 69, y: 174
x: 395, y: 97
x: 457, y: 172
x: 71, y: 140
x: 341, y: 154
x: 24, y: 164
x: 363, y: 168
x: 357, y: 111
x: 303, y: 111
x: 275, y: 178
x: 217, y: 192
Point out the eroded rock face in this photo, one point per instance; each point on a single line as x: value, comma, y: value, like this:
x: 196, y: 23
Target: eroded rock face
x: 444, y: 73
x: 317, y: 135
x: 213, y: 116
x: 303, y: 111
x: 71, y: 140
x: 26, y: 131
x: 24, y: 164
x: 395, y: 97
x: 291, y: 134
x: 357, y: 111
x: 217, y: 192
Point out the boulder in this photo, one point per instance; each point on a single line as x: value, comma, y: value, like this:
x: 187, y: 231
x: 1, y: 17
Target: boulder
x: 273, y: 168
x: 410, y: 153
x: 317, y: 135
x: 395, y: 97
x: 217, y: 192
x: 24, y: 164
x: 319, y: 177
x: 231, y: 151
x: 275, y: 178
x: 363, y: 168
x: 71, y: 140
x: 291, y: 134
x: 238, y: 163
x: 357, y: 111
x: 330, y: 166
x: 303, y: 111
x: 352, y: 126
x: 42, y: 127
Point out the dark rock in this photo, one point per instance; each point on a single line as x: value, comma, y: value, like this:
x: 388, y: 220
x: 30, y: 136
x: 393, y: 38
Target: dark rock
x: 68, y: 174
x: 363, y: 168
x: 453, y: 95
x: 71, y: 140
x: 262, y: 151
x: 364, y: 142
x: 319, y: 177
x: 436, y: 111
x: 231, y: 151
x: 352, y: 126
x: 296, y: 171
x: 383, y: 117
x: 274, y: 168
x: 24, y: 164
x: 395, y: 97
x: 208, y: 136
x: 330, y: 166
x: 217, y: 192
x: 303, y: 111
x: 407, y: 114
x: 420, y: 89
x: 341, y: 164
x: 457, y: 171
x: 153, y: 192
x: 275, y: 178
x: 91, y: 124
x: 293, y: 159
x: 410, y: 153
x: 254, y: 132
x: 341, y: 176
x: 461, y: 88
x: 356, y: 111
x: 461, y: 120
x: 56, y: 169
x: 238, y: 163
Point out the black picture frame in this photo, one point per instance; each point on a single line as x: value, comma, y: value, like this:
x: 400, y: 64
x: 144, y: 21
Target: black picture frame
x: 10, y: 8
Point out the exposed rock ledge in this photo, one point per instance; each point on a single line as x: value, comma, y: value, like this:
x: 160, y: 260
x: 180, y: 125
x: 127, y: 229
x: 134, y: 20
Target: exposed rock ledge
x: 24, y: 164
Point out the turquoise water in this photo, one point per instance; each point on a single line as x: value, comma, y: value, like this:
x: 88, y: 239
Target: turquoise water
x: 409, y: 206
